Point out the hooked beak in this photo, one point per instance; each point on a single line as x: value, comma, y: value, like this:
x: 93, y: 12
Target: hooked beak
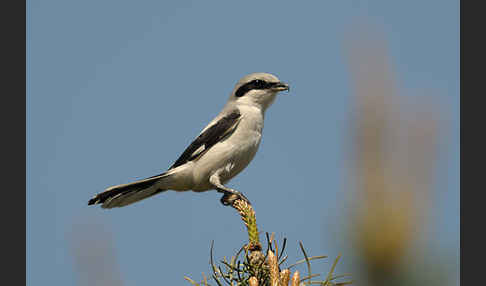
x: 280, y: 86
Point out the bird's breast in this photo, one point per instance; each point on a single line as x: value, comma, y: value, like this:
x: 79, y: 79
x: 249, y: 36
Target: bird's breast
x: 243, y: 143
x: 233, y: 154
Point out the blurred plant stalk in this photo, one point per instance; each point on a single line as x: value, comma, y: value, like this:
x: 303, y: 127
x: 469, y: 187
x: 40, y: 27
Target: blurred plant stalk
x: 94, y: 255
x: 393, y: 161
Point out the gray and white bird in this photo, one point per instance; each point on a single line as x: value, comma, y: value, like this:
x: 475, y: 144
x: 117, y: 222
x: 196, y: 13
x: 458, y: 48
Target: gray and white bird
x: 220, y: 152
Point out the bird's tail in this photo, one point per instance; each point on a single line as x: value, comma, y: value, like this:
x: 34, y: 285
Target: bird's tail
x: 122, y: 195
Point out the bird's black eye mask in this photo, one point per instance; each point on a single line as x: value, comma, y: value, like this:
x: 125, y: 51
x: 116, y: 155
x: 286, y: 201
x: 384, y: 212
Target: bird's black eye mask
x: 254, y: 84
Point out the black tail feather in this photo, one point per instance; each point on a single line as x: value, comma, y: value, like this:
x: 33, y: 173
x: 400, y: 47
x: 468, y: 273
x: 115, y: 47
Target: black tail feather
x: 123, y: 190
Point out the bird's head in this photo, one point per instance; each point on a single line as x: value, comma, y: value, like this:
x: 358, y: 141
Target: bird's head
x: 257, y: 89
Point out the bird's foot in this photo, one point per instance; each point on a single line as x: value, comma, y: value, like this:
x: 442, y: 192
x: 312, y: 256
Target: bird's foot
x: 230, y: 197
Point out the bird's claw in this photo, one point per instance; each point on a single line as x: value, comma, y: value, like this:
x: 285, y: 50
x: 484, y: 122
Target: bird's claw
x: 229, y: 198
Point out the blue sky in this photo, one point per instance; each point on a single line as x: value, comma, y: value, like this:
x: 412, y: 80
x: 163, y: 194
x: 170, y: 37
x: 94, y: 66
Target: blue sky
x: 117, y: 89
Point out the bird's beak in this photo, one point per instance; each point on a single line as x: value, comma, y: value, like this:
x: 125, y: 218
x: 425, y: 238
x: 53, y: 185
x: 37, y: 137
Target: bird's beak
x: 281, y: 86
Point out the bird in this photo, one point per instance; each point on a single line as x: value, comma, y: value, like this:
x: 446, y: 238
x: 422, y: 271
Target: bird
x: 220, y: 152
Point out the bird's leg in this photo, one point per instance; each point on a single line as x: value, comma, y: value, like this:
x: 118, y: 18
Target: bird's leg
x: 230, y: 195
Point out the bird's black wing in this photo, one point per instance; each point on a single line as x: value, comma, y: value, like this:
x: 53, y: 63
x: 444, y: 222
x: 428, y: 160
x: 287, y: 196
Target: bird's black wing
x: 212, y: 135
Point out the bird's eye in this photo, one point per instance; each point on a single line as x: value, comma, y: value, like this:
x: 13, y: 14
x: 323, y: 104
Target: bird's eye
x: 259, y: 83
x: 254, y: 84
